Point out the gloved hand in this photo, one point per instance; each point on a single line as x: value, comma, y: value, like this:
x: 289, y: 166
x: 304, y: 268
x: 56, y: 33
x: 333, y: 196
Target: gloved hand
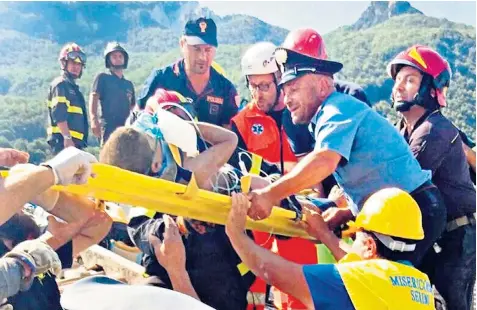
x: 71, y: 166
x: 39, y: 256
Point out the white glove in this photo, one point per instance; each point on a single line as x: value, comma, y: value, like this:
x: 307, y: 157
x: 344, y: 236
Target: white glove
x: 71, y: 166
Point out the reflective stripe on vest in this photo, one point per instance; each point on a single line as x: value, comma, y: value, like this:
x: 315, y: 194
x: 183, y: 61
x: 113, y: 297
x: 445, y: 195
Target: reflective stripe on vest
x: 384, y: 284
x: 256, y: 299
x: 74, y: 134
x: 62, y: 99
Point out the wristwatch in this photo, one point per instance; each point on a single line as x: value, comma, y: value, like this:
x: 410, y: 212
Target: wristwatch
x: 68, y: 137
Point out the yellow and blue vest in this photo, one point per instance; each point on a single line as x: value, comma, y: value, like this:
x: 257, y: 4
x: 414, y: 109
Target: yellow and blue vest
x: 353, y: 283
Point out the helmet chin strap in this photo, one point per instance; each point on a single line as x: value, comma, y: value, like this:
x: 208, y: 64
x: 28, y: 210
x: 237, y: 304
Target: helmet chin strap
x: 403, y: 106
x: 120, y: 67
x: 277, y: 99
x: 422, y: 98
x: 73, y: 76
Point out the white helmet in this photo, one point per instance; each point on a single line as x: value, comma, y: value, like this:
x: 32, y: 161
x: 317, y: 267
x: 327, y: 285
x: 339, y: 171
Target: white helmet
x: 259, y: 59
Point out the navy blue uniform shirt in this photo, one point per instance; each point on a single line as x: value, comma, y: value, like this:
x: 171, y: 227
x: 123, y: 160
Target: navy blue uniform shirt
x: 215, y: 105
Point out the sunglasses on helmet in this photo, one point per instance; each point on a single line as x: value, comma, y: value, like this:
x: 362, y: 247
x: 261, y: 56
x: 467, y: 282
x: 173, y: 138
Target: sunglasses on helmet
x: 75, y: 55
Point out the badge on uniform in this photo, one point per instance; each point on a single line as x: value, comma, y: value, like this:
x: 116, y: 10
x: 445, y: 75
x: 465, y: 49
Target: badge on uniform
x: 216, y: 100
x: 257, y: 129
x: 281, y: 56
x: 203, y: 26
x: 130, y: 96
x: 214, y: 109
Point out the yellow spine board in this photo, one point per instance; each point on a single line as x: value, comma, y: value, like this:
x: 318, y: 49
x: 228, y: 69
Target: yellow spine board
x: 121, y: 186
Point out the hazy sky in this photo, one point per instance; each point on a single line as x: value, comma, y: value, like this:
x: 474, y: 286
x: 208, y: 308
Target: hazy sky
x: 325, y: 16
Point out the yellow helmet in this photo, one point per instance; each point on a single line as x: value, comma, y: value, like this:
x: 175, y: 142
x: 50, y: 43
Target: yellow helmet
x: 391, y: 212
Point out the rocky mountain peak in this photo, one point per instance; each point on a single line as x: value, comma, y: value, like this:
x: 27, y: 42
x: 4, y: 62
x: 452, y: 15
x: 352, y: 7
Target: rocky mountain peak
x: 380, y: 11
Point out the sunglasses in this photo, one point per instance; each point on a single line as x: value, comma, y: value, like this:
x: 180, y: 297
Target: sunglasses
x: 74, y: 55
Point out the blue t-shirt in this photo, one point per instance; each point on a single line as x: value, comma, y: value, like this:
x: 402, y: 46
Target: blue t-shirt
x: 300, y: 139
x: 374, y: 154
x: 326, y: 287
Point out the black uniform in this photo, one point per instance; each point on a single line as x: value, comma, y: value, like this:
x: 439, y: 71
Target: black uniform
x: 66, y: 103
x: 437, y: 145
x: 215, y: 105
x: 116, y: 97
x: 211, y: 263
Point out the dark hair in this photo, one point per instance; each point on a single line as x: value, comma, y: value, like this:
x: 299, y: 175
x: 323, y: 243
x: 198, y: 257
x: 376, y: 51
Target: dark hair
x: 427, y: 101
x: 19, y: 228
x: 424, y: 99
x: 389, y: 254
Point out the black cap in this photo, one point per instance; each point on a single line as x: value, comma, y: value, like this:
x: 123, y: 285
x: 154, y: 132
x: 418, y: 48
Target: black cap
x: 293, y: 65
x: 201, y: 31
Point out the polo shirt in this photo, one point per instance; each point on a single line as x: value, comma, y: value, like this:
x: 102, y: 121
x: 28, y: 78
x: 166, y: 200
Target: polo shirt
x: 215, y: 105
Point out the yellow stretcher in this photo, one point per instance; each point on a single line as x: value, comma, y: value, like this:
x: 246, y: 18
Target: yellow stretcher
x: 125, y: 187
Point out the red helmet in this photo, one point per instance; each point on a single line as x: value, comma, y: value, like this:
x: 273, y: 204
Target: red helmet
x: 71, y: 51
x: 307, y: 42
x: 162, y: 96
x: 428, y: 61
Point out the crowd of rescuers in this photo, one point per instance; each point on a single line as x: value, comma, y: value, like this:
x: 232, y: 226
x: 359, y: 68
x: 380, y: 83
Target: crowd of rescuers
x: 405, y: 192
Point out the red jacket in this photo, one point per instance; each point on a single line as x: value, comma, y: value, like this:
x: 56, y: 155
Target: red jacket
x: 262, y: 136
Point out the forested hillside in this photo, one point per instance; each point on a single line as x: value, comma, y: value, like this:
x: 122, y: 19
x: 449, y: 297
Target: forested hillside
x: 32, y: 34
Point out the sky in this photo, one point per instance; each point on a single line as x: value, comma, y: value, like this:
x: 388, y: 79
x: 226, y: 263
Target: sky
x: 325, y: 16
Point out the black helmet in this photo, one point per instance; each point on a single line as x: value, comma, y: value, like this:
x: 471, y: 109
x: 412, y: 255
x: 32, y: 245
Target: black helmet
x: 112, y: 47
